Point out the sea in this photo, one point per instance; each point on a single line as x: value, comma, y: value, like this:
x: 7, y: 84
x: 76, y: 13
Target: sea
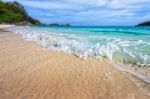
x: 127, y: 44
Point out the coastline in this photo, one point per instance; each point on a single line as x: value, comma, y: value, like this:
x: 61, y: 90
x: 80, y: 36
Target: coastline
x: 5, y: 26
x: 28, y: 70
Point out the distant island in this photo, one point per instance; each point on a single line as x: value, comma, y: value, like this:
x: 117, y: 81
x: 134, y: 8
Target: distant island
x: 144, y: 24
x: 14, y: 13
x: 56, y: 24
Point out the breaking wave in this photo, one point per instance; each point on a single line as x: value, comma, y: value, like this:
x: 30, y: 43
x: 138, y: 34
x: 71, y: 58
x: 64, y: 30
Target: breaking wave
x: 112, y: 48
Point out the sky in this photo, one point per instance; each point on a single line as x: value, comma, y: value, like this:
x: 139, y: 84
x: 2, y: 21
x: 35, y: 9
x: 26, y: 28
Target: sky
x: 89, y: 12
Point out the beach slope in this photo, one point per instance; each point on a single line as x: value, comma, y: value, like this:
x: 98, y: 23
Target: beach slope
x: 29, y: 71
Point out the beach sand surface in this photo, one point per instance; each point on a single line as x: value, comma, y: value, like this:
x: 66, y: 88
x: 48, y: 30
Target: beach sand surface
x: 28, y: 71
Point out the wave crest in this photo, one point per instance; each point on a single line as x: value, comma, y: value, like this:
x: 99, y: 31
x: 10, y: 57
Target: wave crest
x: 115, y: 49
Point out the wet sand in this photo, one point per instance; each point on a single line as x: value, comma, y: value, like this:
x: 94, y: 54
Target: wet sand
x: 28, y: 71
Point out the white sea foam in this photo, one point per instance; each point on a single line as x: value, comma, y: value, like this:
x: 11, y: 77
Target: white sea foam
x: 113, y: 49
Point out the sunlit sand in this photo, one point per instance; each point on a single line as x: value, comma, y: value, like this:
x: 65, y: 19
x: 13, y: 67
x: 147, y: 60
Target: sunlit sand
x: 29, y: 71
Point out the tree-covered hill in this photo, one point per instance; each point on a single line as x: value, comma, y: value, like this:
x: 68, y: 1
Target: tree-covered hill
x: 14, y: 13
x: 144, y: 24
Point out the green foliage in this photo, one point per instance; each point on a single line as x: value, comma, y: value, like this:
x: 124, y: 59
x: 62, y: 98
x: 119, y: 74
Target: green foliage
x: 13, y: 12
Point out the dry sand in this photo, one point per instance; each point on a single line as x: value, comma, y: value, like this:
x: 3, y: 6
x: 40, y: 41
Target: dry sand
x: 28, y: 71
x: 3, y: 26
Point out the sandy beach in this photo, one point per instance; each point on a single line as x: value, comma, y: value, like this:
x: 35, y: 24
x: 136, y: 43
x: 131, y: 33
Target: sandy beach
x: 28, y: 71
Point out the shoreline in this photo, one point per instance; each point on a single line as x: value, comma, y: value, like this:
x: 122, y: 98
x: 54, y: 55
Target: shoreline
x: 28, y: 70
x: 141, y: 71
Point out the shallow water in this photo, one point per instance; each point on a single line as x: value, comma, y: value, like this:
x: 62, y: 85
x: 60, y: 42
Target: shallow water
x: 125, y: 44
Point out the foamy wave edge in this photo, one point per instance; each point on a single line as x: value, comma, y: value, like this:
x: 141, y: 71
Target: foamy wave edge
x: 80, y: 48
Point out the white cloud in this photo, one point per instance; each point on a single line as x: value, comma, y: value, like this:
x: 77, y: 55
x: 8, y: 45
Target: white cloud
x: 90, y: 9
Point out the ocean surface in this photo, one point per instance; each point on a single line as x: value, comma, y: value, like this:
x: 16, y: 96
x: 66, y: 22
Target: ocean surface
x: 117, y: 44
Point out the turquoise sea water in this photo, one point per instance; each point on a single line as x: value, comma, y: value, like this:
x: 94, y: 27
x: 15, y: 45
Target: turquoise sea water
x: 125, y: 44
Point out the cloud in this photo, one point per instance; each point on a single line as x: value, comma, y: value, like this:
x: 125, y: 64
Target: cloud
x: 89, y: 12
